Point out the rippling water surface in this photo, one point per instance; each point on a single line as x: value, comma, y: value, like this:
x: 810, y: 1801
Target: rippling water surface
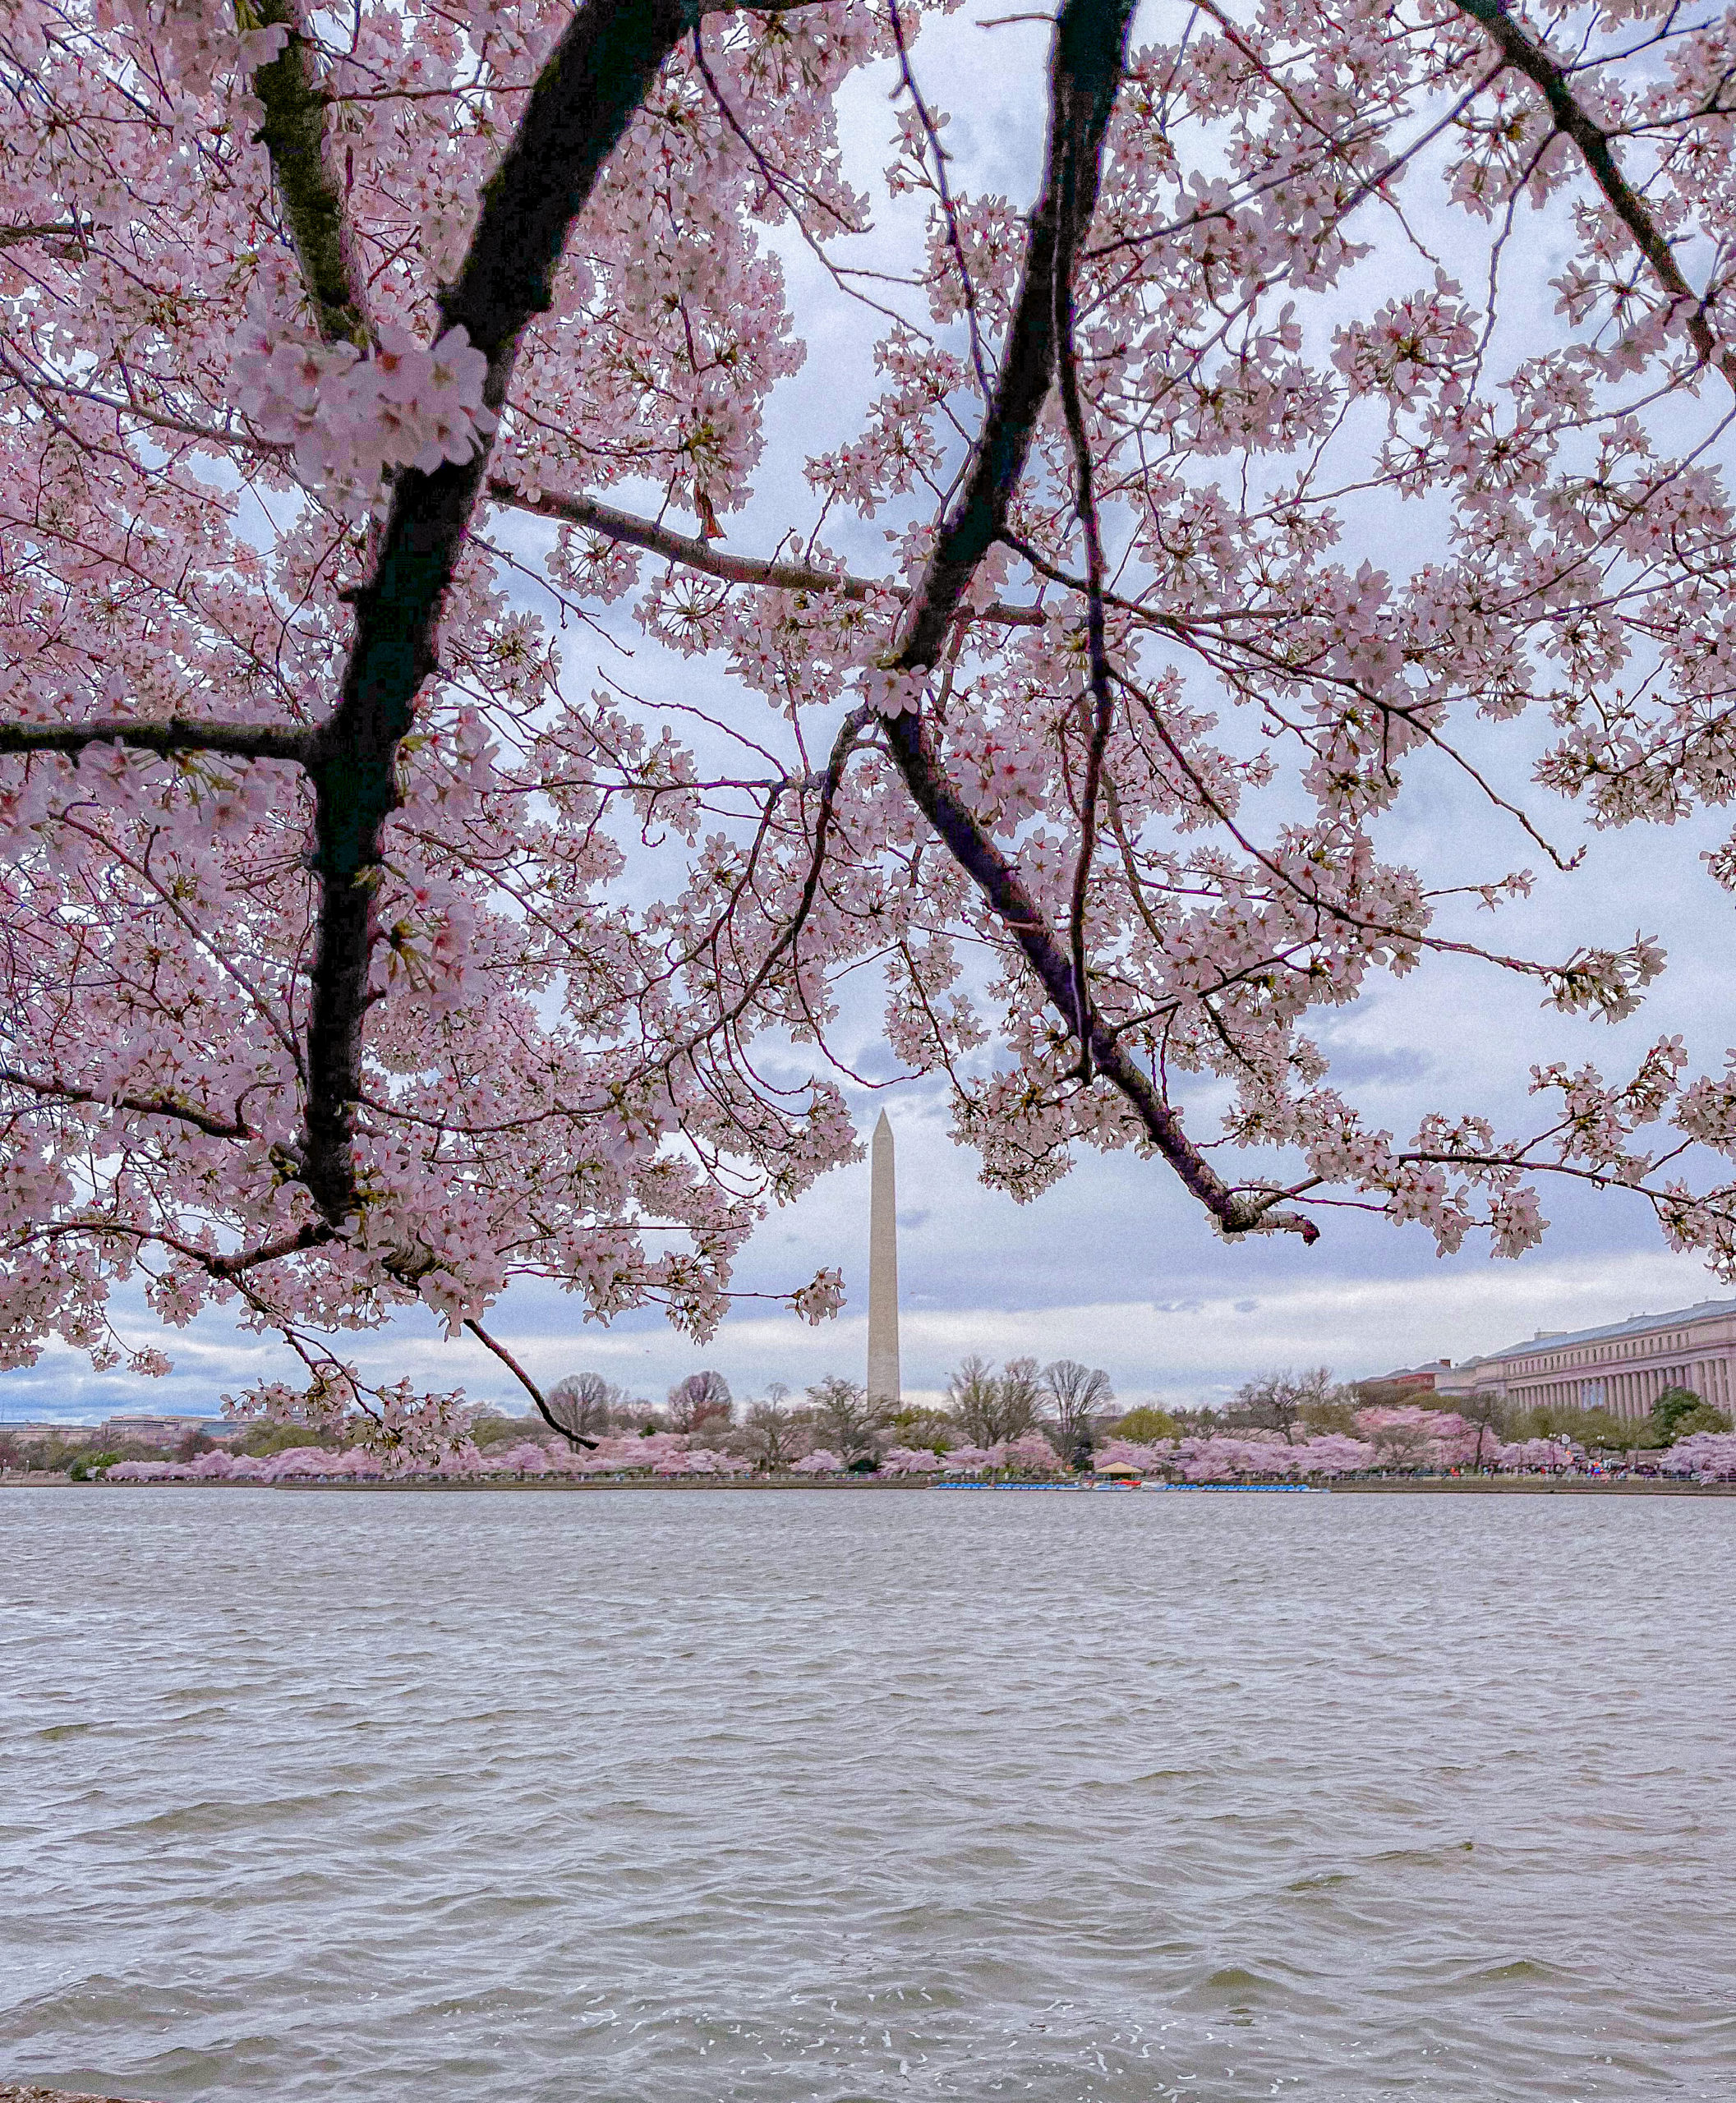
x: 666, y: 1797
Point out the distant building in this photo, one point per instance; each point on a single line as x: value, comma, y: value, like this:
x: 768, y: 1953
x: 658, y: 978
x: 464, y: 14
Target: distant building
x: 1420, y: 1380
x: 68, y: 1434
x: 163, y: 1430
x: 1624, y: 1368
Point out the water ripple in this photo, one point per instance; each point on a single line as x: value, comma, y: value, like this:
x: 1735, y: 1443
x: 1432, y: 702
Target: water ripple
x: 752, y: 1799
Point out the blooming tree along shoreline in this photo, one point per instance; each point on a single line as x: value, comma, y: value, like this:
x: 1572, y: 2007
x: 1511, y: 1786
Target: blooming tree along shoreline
x: 1708, y: 1456
x: 366, y: 945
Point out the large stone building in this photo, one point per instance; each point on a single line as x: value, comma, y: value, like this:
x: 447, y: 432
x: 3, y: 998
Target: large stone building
x: 145, y: 1428
x: 1624, y: 1368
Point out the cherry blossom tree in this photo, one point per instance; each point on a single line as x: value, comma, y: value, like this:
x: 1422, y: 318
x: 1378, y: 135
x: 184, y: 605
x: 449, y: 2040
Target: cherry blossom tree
x: 702, y: 1460
x: 1029, y: 1454
x: 914, y: 1461
x: 527, y: 1458
x: 819, y: 1462
x: 1223, y: 1458
x: 1331, y: 1454
x: 1532, y: 1456
x: 1148, y: 1457
x: 971, y: 1460
x: 638, y: 1455
x: 1711, y: 1453
x: 353, y: 366
x: 1403, y: 1437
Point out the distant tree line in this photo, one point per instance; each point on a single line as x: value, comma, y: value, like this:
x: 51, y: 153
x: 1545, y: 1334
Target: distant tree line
x: 1312, y: 1403
x: 1070, y: 1405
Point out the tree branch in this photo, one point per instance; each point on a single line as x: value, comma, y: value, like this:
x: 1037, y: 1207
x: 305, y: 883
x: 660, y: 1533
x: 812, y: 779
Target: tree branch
x: 692, y: 553
x: 146, y: 1106
x: 1103, y: 698
x: 174, y: 734
x: 313, y: 1234
x: 530, y: 1387
x: 72, y: 234
x: 293, y: 133
x: 1087, y: 63
x: 582, y: 104
x: 1525, y: 55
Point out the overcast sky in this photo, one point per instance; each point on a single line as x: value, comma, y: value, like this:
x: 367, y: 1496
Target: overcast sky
x: 1116, y: 1266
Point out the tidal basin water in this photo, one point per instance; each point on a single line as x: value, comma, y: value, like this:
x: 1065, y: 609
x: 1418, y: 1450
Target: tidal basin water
x: 685, y: 1798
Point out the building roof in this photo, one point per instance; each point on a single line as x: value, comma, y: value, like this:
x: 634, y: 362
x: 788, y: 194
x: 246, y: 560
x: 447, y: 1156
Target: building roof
x: 1636, y: 1325
x: 161, y: 1416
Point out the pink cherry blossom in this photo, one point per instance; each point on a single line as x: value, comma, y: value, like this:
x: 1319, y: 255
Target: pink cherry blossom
x: 1704, y: 1453
x: 909, y: 1461
x: 376, y: 938
x: 819, y: 1462
x: 1129, y: 1453
x: 971, y: 1460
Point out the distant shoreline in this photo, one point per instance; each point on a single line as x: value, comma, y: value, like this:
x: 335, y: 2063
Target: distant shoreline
x: 1528, y: 1486
x: 1427, y: 1486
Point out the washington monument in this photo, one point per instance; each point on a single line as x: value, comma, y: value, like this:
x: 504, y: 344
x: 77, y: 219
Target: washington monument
x: 883, y: 1382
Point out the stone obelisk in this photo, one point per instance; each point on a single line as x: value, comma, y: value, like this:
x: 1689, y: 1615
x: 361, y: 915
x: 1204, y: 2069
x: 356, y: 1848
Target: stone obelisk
x: 883, y: 1382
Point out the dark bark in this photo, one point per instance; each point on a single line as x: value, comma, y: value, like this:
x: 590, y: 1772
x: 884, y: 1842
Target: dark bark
x: 578, y: 1438
x: 293, y: 133
x: 234, y: 1127
x: 1526, y: 56
x: 583, y: 102
x: 174, y: 734
x: 1087, y: 63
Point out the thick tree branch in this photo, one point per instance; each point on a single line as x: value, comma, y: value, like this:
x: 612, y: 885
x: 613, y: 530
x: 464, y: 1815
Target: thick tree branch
x: 1101, y: 711
x: 1086, y: 66
x: 174, y: 734
x: 314, y: 1235
x: 231, y: 1268
x: 692, y: 553
x: 1001, y: 884
x: 1526, y: 56
x: 69, y: 234
x: 293, y: 133
x: 582, y: 104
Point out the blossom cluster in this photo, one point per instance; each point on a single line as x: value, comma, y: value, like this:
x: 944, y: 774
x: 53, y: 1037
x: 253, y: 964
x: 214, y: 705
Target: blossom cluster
x: 347, y: 419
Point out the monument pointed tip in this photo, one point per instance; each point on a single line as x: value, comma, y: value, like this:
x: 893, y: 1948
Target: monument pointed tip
x: 883, y: 1121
